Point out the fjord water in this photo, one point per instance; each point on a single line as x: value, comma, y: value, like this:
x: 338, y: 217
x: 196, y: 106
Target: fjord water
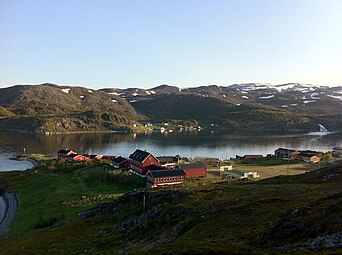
x: 206, y: 143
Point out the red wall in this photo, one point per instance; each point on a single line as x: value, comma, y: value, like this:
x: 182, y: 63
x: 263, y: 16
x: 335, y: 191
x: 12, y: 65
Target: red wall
x: 195, y: 172
x: 150, y: 160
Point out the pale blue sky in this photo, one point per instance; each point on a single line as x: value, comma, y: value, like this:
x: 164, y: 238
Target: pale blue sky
x: 136, y: 43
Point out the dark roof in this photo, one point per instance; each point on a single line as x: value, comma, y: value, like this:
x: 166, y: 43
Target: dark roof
x: 64, y: 151
x: 139, y: 155
x: 191, y: 166
x: 302, y: 154
x: 253, y: 156
x: 167, y: 173
x: 155, y: 168
x: 285, y: 150
x: 167, y: 159
x: 72, y: 155
x: 120, y: 160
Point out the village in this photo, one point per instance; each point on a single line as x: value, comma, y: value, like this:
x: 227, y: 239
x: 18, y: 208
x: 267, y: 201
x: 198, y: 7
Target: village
x: 173, y: 170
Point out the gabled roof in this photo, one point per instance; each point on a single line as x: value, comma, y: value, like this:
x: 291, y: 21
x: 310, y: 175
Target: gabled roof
x: 120, y: 160
x: 302, y: 154
x: 192, y: 166
x: 167, y: 173
x: 73, y: 155
x: 167, y: 159
x: 285, y: 150
x: 64, y: 151
x: 140, y: 155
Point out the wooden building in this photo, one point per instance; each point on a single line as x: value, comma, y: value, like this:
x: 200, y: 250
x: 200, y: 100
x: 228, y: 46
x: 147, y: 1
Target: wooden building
x: 64, y: 153
x: 249, y: 158
x: 193, y: 170
x: 168, y: 161
x: 161, y: 177
x: 76, y: 157
x: 282, y: 152
x: 120, y: 162
x: 140, y: 161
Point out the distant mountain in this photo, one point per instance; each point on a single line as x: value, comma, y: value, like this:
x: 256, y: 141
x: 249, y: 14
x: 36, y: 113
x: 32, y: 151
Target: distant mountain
x: 242, y: 105
x: 49, y: 108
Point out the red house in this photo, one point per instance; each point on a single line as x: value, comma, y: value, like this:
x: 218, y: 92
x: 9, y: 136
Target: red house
x: 76, y: 157
x: 193, y: 170
x: 161, y: 177
x: 140, y: 161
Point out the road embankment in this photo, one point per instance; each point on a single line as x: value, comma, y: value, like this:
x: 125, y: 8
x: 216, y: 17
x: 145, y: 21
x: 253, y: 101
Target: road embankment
x: 9, y: 204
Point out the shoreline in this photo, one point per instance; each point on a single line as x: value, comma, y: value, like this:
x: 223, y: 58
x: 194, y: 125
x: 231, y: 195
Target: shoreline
x: 11, y: 203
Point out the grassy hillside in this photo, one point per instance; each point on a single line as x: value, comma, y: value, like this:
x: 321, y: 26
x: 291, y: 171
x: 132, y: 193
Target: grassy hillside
x: 57, y: 194
x: 214, y: 110
x: 298, y: 214
x: 62, y: 109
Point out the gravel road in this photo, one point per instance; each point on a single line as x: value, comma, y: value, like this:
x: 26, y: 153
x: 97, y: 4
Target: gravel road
x: 9, y: 204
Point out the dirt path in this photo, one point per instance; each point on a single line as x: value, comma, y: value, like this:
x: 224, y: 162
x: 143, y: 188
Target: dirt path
x: 10, y: 204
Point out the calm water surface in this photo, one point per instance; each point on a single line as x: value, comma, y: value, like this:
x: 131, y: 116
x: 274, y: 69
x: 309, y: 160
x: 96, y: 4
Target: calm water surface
x: 220, y: 143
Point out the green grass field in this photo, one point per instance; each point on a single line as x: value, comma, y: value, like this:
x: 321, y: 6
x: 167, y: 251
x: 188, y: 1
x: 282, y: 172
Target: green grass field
x: 50, y: 197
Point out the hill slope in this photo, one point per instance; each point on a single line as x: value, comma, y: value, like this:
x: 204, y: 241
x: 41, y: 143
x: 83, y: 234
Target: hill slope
x: 298, y: 214
x: 51, y: 108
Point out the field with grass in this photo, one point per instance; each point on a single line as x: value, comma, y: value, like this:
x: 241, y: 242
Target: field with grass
x: 284, y: 214
x: 52, y: 196
x: 275, y: 166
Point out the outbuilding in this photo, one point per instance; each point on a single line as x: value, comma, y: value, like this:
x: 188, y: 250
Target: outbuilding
x: 193, y: 170
x: 162, y: 177
x: 120, y: 162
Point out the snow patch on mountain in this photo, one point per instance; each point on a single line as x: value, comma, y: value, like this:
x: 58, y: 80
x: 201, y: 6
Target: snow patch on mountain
x: 266, y: 97
x: 66, y: 91
x: 308, y: 101
x: 336, y: 97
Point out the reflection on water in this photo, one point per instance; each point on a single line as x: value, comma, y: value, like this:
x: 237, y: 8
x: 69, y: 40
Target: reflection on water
x: 219, y: 143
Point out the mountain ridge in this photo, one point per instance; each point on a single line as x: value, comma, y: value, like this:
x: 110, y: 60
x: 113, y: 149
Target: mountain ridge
x: 58, y: 109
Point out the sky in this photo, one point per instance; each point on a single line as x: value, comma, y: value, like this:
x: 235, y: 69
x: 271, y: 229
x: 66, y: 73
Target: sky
x: 136, y: 43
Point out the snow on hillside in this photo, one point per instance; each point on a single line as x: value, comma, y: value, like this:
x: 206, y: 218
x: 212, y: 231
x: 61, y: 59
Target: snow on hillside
x: 336, y: 97
x: 66, y: 90
x: 266, y: 97
x: 308, y: 101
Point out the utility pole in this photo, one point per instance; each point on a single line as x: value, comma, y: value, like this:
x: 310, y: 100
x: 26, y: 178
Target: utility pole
x: 288, y: 162
x: 144, y: 203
